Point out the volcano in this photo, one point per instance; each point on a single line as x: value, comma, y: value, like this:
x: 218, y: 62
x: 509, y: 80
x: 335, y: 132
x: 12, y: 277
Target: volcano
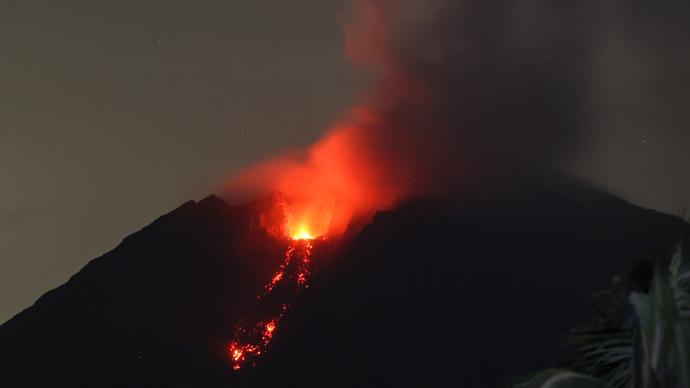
x: 442, y: 292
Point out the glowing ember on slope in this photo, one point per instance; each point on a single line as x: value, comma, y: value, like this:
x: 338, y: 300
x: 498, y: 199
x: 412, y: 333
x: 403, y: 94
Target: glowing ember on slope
x: 252, y: 338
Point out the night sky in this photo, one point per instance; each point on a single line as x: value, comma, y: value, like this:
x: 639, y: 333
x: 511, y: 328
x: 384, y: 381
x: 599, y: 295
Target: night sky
x: 114, y: 112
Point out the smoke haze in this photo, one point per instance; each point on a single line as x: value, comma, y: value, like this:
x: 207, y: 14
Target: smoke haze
x: 464, y: 92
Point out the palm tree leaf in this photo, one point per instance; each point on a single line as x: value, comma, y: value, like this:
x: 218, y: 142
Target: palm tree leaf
x: 562, y: 378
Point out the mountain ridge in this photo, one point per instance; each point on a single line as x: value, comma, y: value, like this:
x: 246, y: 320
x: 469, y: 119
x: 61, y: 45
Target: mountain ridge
x: 159, y: 309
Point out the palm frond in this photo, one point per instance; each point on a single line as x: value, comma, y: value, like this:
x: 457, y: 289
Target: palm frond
x: 663, y: 351
x: 646, y: 344
x: 562, y: 378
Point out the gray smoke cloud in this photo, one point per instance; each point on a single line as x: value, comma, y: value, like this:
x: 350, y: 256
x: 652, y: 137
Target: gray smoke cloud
x: 473, y: 88
x: 468, y: 93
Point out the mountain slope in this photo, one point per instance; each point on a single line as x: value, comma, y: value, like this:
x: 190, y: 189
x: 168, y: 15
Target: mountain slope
x: 152, y: 311
x: 433, y: 293
x: 444, y: 295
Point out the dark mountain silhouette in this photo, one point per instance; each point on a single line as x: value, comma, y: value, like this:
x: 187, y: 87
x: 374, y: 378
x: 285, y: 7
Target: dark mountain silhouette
x: 466, y: 293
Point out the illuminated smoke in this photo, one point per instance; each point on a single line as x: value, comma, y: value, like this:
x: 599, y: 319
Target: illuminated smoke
x: 465, y: 92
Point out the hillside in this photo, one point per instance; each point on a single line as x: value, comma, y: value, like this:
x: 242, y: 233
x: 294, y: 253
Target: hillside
x: 446, y: 292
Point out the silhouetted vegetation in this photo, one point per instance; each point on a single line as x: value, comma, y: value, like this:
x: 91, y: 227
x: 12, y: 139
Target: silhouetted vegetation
x: 640, y: 339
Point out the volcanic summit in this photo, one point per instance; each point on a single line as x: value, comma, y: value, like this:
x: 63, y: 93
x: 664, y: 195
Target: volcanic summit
x: 464, y: 293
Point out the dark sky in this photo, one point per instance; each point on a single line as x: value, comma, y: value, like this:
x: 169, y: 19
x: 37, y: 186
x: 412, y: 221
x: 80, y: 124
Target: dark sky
x: 114, y: 112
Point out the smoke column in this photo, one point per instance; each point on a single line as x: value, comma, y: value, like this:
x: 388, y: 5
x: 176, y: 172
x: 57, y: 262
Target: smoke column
x: 465, y: 92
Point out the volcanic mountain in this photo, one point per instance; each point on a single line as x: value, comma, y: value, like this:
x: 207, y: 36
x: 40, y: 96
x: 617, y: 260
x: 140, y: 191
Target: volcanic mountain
x: 443, y: 292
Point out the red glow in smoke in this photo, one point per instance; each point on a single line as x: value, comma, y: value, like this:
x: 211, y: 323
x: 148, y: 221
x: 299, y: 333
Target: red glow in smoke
x: 375, y: 155
x: 379, y: 152
x: 335, y: 181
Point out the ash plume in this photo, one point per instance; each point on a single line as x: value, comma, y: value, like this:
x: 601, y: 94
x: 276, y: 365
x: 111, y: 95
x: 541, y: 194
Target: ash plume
x: 465, y: 92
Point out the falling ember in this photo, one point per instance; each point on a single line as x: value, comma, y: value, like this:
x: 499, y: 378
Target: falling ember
x: 252, y: 338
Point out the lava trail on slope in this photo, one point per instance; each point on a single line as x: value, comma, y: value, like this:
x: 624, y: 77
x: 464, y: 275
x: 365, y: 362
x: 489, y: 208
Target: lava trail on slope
x: 254, y: 333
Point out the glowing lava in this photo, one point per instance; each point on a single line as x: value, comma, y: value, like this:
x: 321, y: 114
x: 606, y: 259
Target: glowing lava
x: 252, y: 337
x: 302, y: 234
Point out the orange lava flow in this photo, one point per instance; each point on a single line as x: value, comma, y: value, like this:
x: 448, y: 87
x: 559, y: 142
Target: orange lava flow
x: 252, y: 338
